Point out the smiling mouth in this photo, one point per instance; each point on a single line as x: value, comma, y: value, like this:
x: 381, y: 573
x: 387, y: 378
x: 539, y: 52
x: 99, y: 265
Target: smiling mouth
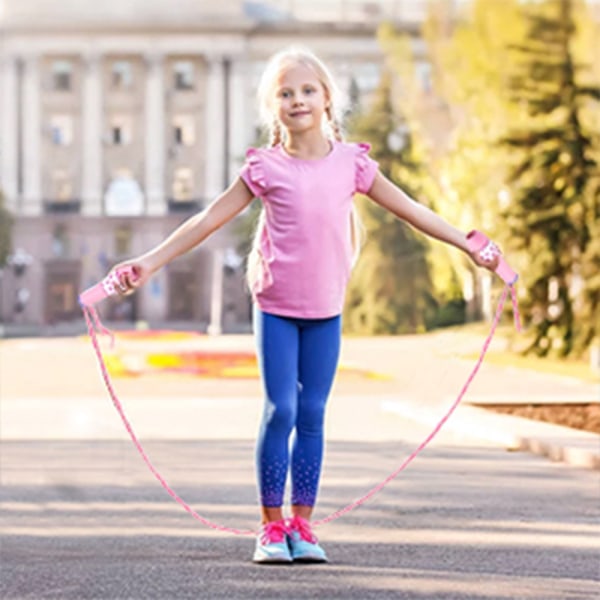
x: 300, y: 113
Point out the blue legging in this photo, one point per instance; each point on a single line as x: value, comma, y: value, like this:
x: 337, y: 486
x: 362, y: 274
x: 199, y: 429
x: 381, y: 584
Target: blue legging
x: 298, y: 360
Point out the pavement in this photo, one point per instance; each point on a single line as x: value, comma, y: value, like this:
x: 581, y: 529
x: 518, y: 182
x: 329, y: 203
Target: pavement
x: 423, y: 374
x: 82, y: 517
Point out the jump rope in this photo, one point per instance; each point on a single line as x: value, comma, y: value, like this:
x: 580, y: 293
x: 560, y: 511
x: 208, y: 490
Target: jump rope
x: 109, y: 286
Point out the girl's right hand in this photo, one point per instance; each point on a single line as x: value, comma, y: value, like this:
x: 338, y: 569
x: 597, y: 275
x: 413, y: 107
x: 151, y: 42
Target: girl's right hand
x: 132, y: 274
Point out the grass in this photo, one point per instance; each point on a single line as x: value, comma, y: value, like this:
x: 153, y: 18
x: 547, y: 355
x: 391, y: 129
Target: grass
x: 512, y: 356
x: 567, y: 367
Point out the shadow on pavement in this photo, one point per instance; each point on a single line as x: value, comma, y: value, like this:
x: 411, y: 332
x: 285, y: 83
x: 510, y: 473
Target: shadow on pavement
x: 87, y: 520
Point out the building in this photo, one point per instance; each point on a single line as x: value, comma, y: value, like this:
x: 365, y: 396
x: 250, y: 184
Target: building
x: 120, y: 119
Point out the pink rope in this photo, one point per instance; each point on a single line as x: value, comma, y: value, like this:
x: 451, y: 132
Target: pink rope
x: 93, y: 322
x: 435, y: 430
x: 91, y: 319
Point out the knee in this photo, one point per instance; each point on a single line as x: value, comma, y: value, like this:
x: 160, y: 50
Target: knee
x: 311, y: 418
x: 280, y: 416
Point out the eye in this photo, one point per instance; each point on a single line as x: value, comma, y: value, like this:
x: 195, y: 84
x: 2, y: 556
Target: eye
x: 285, y: 94
x: 309, y: 89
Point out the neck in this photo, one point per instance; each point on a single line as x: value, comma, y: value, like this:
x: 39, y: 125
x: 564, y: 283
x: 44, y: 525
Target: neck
x: 308, y: 146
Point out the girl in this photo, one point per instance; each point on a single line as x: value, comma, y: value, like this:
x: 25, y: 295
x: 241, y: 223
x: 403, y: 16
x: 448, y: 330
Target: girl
x: 303, y: 251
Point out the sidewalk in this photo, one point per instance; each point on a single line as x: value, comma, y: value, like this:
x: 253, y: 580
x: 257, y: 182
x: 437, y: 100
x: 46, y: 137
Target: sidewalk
x: 50, y: 377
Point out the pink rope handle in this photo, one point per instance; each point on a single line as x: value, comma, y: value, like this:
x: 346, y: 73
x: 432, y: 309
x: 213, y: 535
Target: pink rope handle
x: 93, y: 322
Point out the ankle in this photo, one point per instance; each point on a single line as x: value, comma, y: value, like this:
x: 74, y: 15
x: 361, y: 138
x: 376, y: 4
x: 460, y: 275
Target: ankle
x: 302, y: 511
x: 271, y: 514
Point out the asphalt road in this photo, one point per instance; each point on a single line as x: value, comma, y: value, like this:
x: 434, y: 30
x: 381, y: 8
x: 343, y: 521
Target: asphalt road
x: 83, y: 520
x: 81, y: 517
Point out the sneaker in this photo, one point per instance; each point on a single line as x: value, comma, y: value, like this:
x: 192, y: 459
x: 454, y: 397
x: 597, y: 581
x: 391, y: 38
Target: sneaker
x: 304, y: 545
x: 271, y: 544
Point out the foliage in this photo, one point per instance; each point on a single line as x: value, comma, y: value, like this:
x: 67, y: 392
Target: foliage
x: 555, y: 179
x: 391, y: 290
x: 468, y: 61
x: 522, y: 155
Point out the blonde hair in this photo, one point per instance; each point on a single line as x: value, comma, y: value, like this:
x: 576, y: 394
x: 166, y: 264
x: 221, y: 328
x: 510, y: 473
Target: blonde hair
x: 293, y: 56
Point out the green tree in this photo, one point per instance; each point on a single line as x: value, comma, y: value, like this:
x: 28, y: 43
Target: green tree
x: 555, y: 202
x: 457, y: 120
x: 468, y: 59
x: 391, y: 291
x: 6, y: 223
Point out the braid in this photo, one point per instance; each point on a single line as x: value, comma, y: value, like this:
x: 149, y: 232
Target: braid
x: 275, y: 133
x: 334, y: 124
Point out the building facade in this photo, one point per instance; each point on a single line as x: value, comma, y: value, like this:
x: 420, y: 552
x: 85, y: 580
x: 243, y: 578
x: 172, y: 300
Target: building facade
x: 118, y: 121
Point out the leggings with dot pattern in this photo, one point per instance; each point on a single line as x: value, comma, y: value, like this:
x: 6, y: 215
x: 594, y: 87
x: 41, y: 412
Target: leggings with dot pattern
x: 298, y: 360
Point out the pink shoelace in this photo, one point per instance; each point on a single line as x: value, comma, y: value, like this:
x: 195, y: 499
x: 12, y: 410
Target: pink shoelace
x: 273, y: 532
x: 302, y: 526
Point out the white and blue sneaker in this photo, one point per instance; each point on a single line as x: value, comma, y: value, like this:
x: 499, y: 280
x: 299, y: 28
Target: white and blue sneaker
x: 304, y: 545
x: 271, y: 544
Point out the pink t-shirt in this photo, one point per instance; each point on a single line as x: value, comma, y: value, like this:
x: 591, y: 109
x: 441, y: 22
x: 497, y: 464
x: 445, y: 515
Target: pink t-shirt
x: 305, y: 245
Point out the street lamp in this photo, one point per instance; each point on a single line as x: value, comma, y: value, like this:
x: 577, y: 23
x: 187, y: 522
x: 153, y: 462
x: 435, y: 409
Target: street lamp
x: 19, y: 261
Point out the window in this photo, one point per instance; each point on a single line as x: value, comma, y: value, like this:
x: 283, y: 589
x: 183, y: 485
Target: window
x: 184, y: 75
x: 122, y: 75
x: 123, y: 240
x: 60, y: 242
x: 62, y: 186
x: 184, y: 130
x: 120, y: 130
x: 61, y: 130
x: 124, y: 196
x: 183, y: 184
x: 117, y: 135
x: 62, y: 75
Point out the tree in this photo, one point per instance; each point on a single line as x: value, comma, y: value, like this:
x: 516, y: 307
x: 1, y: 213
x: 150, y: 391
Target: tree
x: 391, y: 290
x: 555, y: 202
x: 457, y: 118
x: 468, y: 60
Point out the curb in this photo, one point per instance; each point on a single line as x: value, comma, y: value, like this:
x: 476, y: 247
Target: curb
x: 560, y: 444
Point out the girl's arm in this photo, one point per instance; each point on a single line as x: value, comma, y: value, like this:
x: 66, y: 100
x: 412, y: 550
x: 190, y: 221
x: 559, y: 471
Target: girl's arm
x: 392, y: 198
x: 188, y: 235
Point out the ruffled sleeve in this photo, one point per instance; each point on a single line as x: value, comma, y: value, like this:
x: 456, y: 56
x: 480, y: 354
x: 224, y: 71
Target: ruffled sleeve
x: 366, y: 168
x: 253, y: 172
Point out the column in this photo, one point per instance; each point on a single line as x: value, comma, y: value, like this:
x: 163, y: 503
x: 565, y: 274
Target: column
x: 214, y: 152
x: 239, y: 116
x: 31, y: 140
x: 156, y: 203
x: 92, y: 118
x: 9, y: 146
x: 214, y: 184
x: 216, y: 293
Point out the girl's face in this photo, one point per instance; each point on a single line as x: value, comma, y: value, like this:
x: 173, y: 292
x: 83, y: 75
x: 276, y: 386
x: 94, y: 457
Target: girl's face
x: 300, y: 99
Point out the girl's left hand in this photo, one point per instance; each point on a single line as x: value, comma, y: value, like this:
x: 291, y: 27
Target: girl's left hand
x: 490, y: 264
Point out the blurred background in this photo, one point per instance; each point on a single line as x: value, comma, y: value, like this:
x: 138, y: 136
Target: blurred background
x: 120, y: 119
